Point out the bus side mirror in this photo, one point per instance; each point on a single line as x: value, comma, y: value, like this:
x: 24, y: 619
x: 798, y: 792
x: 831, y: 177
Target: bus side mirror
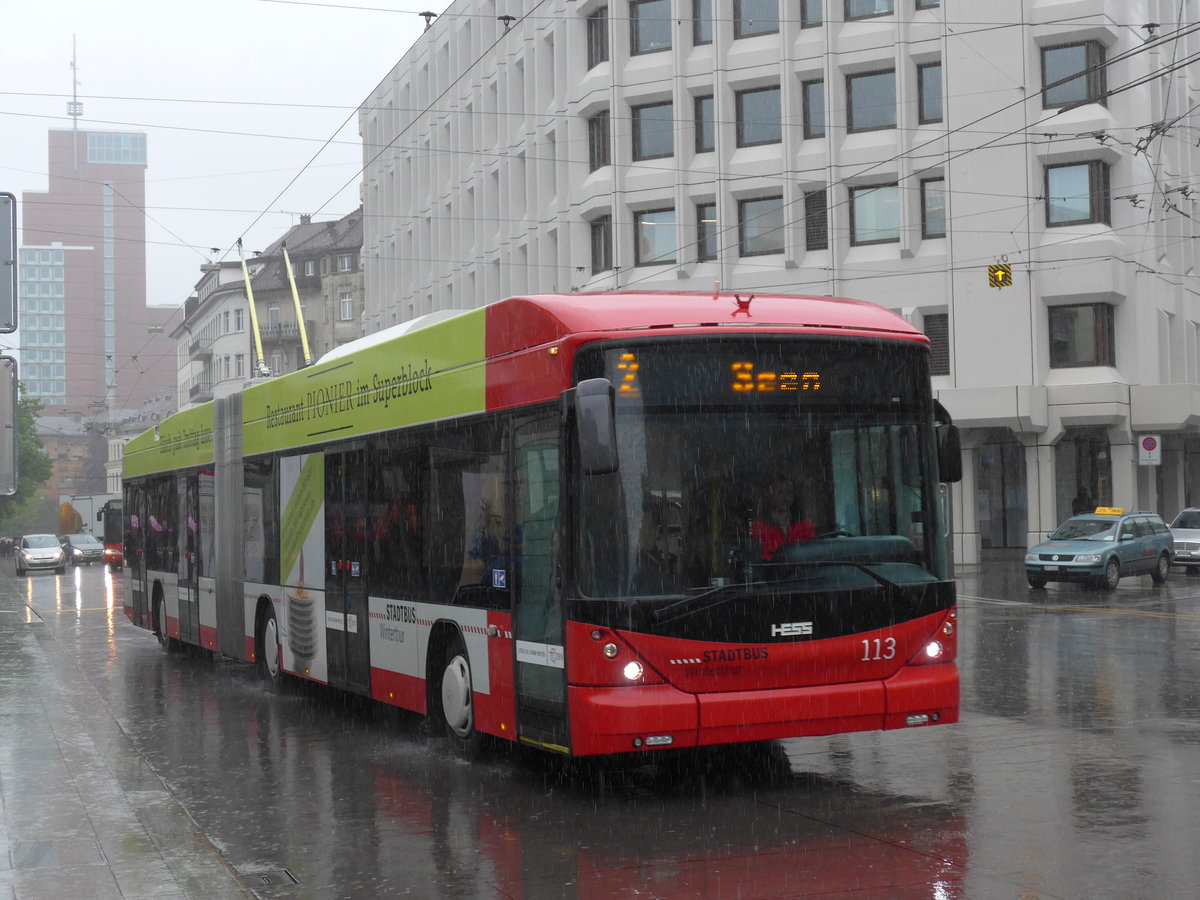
x: 596, y: 426
x: 949, y: 453
x: 100, y: 515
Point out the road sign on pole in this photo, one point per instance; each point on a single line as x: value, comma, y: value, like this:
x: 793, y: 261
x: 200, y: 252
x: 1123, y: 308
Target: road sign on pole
x: 1150, y: 450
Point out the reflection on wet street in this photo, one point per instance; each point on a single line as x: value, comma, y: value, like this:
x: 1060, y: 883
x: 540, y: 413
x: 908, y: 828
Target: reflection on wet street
x: 1074, y: 773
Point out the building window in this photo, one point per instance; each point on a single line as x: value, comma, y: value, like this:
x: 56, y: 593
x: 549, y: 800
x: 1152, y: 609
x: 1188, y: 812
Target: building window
x: 929, y: 93
x: 598, y: 148
x: 597, y: 37
x: 1082, y: 335
x: 649, y: 26
x: 1077, y: 193
x: 310, y: 267
x: 872, y: 100
x: 811, y: 14
x: 225, y: 322
x: 654, y: 237
x: 760, y: 226
x: 273, y: 316
x: 702, y: 23
x: 1073, y: 73
x: 345, y: 306
x: 816, y: 220
x: 237, y: 320
x: 928, y: 4
x: 758, y: 119
x: 751, y: 17
x: 874, y: 214
x: 239, y: 365
x: 933, y: 208
x: 706, y: 231
x: 706, y: 132
x: 601, y: 228
x: 814, y: 109
x: 937, y: 329
x: 345, y: 262
x: 653, y: 131
x: 865, y: 9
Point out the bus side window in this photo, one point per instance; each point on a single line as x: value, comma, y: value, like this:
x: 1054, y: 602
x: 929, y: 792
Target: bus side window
x: 395, y: 522
x: 260, y: 505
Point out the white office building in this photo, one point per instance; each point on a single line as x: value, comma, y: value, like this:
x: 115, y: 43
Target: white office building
x: 888, y: 150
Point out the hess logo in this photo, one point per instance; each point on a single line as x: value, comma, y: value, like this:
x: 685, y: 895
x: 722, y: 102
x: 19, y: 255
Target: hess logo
x: 791, y: 629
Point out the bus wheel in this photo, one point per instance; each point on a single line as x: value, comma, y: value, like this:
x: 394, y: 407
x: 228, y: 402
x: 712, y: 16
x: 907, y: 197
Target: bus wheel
x: 268, y: 648
x: 458, y: 711
x: 160, y: 625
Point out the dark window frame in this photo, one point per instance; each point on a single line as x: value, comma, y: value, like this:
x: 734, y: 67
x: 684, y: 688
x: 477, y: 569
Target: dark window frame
x: 1099, y: 201
x: 1104, y: 347
x: 702, y: 22
x: 853, y: 17
x: 810, y: 130
x: 1094, y: 73
x: 739, y: 19
x: 599, y: 140
x: 704, y: 124
x: 601, y: 236
x: 706, y: 232
x: 739, y: 98
x: 925, y: 231
x: 851, y: 128
x: 637, y: 248
x: 743, y: 238
x: 928, y: 4
x: 636, y: 34
x: 922, y: 73
x: 638, y: 136
x: 854, y: 239
x: 597, y: 37
x: 812, y: 14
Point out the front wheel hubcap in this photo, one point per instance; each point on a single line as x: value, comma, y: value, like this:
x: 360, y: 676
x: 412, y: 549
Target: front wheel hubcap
x: 456, y: 697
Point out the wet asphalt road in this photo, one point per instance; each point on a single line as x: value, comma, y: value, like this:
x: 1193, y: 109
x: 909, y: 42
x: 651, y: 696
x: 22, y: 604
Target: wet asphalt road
x: 1074, y: 773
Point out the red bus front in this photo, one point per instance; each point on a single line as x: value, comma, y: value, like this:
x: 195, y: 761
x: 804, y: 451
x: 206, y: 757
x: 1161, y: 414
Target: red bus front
x: 763, y: 558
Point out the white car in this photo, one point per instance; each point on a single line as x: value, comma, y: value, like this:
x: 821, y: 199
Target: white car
x: 40, y: 551
x: 1185, y: 531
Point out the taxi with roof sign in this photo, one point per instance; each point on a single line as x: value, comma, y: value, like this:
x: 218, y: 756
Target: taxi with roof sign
x: 1101, y: 547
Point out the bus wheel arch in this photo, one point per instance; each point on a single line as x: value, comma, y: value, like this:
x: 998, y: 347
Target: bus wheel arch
x: 450, y: 700
x: 266, y: 642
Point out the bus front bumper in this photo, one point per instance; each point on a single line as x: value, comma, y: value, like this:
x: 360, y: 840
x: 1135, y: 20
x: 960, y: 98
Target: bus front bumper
x: 630, y: 719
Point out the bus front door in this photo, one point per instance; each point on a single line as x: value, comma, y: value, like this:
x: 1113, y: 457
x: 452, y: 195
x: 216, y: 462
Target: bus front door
x: 346, y: 614
x: 538, y: 621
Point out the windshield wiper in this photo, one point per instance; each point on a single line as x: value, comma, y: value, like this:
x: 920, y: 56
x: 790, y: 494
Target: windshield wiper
x: 719, y: 595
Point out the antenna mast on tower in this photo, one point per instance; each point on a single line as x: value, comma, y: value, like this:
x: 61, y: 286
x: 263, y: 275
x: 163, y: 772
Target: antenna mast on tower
x: 74, y: 107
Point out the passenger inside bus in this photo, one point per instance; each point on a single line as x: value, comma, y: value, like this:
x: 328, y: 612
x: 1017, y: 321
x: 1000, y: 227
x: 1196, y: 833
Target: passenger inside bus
x: 780, y: 521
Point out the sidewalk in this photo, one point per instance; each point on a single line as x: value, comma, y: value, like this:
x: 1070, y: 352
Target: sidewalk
x: 81, y: 813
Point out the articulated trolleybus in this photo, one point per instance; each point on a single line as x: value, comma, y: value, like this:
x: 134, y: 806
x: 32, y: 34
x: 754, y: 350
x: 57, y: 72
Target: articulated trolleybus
x: 548, y: 521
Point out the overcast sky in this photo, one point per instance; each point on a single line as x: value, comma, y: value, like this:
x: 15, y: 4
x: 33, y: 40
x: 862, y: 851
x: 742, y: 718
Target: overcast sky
x: 236, y: 98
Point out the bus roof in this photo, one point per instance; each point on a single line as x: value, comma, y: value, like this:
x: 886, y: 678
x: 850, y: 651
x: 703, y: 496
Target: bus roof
x: 454, y: 363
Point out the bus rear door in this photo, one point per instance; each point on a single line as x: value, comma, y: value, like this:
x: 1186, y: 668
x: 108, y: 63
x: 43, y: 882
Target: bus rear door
x: 346, y: 616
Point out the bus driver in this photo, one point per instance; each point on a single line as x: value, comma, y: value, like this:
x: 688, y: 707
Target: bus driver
x: 779, y: 522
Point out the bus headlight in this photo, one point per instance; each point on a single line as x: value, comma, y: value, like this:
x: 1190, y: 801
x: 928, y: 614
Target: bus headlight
x: 633, y: 670
x: 933, y: 650
x: 609, y: 650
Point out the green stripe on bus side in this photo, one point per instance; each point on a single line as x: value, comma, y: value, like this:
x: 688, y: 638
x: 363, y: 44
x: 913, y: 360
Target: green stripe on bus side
x: 433, y: 373
x: 180, y: 441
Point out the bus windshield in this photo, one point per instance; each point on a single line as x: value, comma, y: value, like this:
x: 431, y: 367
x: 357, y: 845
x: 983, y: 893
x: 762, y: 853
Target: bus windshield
x: 753, y: 461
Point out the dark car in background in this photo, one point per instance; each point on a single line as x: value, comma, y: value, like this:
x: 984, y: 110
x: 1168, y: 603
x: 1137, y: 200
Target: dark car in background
x: 82, y: 549
x: 39, y: 551
x: 1102, y: 547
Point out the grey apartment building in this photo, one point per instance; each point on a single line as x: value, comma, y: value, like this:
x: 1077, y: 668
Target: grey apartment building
x: 888, y: 150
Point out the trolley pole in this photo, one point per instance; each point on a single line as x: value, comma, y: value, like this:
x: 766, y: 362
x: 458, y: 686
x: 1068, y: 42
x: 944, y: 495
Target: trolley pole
x: 287, y: 262
x: 261, y: 364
